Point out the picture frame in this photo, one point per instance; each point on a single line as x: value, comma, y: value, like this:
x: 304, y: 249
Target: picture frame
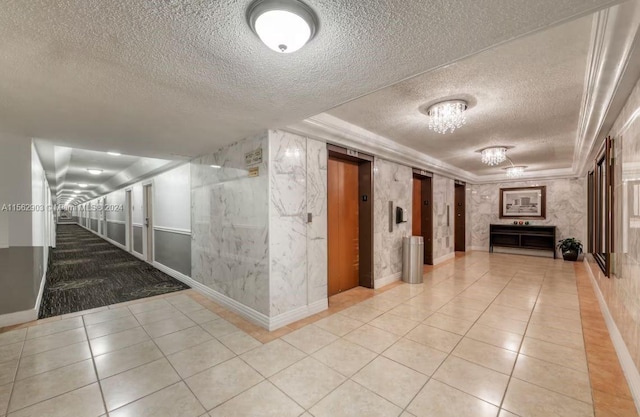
x: 523, y: 203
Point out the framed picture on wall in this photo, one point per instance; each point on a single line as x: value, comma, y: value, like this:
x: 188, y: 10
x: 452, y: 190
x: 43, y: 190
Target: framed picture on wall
x: 523, y: 203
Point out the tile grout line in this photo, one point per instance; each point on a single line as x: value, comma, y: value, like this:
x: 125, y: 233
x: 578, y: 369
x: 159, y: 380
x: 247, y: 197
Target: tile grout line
x: 95, y: 369
x: 15, y: 375
x: 504, y: 396
x: 456, y: 345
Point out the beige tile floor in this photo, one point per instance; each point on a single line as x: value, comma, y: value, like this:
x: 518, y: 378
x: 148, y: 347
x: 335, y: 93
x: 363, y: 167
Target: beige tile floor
x: 485, y: 335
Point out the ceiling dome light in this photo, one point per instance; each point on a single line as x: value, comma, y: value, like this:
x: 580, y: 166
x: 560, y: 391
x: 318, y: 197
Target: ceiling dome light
x: 82, y: 185
x: 283, y: 25
x: 94, y: 171
x: 494, y: 155
x: 447, y: 116
x: 515, y: 171
x: 114, y: 153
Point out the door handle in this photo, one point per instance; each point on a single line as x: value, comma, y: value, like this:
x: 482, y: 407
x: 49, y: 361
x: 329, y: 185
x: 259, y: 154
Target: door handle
x: 146, y: 221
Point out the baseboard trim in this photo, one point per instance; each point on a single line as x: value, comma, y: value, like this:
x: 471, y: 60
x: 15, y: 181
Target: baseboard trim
x: 624, y: 356
x: 18, y: 317
x: 479, y: 248
x: 296, y: 314
x: 248, y: 313
x: 444, y: 258
x: 382, y: 282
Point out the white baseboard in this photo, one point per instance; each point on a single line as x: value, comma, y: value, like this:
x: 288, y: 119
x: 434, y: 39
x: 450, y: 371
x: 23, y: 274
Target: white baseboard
x: 18, y: 317
x: 41, y: 291
x: 444, y: 258
x: 379, y: 283
x: 233, y: 305
x: 262, y: 320
x: 299, y: 313
x: 624, y: 356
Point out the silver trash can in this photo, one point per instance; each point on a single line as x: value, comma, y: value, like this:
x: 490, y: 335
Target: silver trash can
x: 412, y: 259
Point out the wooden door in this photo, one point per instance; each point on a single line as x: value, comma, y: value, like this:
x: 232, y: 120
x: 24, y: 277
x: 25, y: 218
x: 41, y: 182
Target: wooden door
x: 460, y: 218
x: 343, y: 227
x: 427, y: 219
x: 416, y: 221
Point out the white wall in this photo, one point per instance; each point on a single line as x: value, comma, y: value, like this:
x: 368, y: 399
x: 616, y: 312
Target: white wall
x: 137, y: 212
x: 15, y: 188
x: 117, y: 199
x: 172, y: 199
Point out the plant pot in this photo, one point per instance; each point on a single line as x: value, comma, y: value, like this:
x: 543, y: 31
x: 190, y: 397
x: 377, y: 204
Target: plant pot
x: 571, y: 255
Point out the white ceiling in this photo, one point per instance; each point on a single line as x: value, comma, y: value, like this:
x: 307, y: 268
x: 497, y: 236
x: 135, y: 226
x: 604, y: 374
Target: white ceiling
x: 178, y: 77
x: 67, y: 167
x: 525, y: 94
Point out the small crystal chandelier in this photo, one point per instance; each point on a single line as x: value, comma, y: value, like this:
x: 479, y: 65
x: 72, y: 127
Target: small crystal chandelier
x: 515, y: 171
x: 494, y: 155
x: 447, y: 116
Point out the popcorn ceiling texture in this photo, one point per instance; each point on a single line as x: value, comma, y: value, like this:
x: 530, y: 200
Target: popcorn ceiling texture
x: 526, y: 93
x: 156, y: 78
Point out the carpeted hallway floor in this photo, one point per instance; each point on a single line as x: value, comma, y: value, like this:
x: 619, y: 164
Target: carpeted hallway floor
x: 86, y: 272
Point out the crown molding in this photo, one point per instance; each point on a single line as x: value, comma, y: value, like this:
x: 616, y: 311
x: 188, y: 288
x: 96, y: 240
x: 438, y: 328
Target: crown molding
x: 330, y: 129
x: 612, y: 70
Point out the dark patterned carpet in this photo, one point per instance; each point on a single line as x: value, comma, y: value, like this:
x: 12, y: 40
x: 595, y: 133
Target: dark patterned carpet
x: 86, y: 272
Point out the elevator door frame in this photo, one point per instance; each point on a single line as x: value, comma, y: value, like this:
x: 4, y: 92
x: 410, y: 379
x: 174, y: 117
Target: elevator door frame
x: 426, y: 178
x: 459, y: 219
x: 365, y: 209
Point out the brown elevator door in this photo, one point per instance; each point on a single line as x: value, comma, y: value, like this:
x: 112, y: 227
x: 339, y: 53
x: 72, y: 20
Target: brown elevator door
x: 343, y: 216
x: 416, y: 223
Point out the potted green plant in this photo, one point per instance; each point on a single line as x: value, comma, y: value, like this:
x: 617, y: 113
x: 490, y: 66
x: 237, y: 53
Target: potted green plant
x: 570, y: 248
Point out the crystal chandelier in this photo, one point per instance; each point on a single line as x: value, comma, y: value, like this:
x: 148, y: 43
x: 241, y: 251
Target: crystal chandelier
x: 494, y: 155
x: 447, y: 116
x: 515, y: 171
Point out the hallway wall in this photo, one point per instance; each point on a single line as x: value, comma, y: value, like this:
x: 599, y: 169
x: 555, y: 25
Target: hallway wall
x: 25, y: 232
x: 297, y: 248
x: 230, y: 220
x: 443, y: 211
x: 171, y: 222
x: 566, y: 209
x: 392, y: 182
x: 621, y: 291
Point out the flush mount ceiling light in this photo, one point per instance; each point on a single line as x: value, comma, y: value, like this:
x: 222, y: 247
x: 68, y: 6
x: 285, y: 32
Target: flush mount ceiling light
x: 283, y: 25
x: 447, y: 116
x: 94, y: 171
x: 494, y: 155
x: 76, y: 191
x: 114, y: 153
x: 515, y: 171
x: 215, y: 166
x: 82, y: 185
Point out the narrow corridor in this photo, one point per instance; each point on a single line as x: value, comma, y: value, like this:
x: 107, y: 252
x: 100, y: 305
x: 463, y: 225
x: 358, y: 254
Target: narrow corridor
x: 87, y: 272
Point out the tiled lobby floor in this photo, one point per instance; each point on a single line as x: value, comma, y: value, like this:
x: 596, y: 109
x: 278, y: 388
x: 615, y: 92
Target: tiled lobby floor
x: 485, y: 335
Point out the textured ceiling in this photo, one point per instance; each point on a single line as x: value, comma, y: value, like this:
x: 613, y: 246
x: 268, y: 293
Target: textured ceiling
x: 525, y: 94
x: 156, y: 78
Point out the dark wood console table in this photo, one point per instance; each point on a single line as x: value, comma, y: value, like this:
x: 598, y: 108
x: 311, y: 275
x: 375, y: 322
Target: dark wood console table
x: 523, y: 237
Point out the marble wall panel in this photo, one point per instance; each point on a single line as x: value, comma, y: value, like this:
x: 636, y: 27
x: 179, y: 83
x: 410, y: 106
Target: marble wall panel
x: 392, y: 182
x: 566, y: 209
x: 287, y: 221
x: 317, y: 262
x: 443, y: 212
x: 230, y: 224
